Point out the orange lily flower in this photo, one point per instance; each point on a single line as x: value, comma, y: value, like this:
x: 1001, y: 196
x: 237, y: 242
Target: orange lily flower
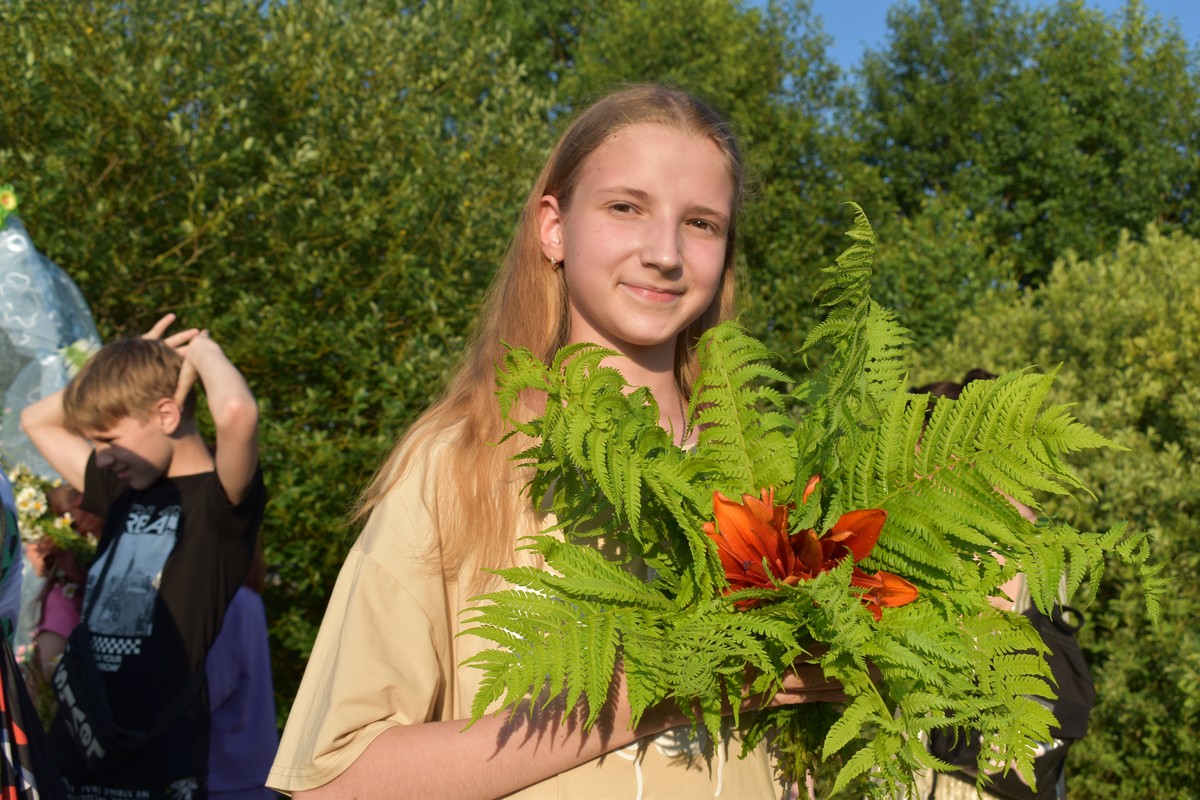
x: 746, y: 533
x: 756, y: 550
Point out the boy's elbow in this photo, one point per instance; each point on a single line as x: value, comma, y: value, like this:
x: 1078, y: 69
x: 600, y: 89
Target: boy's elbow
x: 238, y: 414
x: 30, y: 421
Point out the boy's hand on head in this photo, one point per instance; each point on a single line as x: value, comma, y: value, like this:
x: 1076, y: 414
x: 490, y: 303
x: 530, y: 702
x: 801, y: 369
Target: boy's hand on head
x: 159, y: 327
x: 188, y: 374
x: 175, y: 340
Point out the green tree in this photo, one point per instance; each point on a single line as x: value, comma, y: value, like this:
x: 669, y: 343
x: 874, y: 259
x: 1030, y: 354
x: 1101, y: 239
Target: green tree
x: 767, y: 70
x: 935, y: 266
x: 1124, y: 330
x: 1059, y: 126
x: 327, y: 188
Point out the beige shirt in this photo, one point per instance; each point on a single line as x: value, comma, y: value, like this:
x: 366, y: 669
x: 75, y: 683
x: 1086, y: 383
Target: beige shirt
x: 387, y: 655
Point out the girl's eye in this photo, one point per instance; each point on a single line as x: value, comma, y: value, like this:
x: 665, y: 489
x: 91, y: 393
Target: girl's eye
x: 622, y: 208
x: 705, y: 225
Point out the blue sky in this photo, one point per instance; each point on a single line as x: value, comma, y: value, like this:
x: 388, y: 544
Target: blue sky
x: 856, y: 25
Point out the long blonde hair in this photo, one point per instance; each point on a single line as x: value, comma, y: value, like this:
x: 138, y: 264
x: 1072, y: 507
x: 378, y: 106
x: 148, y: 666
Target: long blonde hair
x: 476, y: 518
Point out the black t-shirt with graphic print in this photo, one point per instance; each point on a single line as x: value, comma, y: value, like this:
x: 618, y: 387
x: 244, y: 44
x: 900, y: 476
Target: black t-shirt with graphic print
x: 179, y: 552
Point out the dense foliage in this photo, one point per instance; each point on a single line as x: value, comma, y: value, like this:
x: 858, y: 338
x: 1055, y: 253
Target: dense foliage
x: 327, y: 186
x: 1125, y: 327
x: 1057, y: 127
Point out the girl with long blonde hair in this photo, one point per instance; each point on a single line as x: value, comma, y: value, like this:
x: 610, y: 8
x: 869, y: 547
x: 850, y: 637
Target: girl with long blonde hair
x: 627, y: 239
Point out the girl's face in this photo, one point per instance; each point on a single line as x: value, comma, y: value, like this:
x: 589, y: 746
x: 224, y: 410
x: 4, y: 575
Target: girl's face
x: 643, y: 239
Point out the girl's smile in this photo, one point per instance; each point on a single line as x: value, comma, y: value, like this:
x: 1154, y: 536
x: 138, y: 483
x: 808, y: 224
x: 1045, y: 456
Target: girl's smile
x: 653, y: 294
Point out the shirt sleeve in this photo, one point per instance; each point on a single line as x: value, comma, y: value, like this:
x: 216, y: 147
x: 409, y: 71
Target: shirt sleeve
x: 252, y: 505
x: 60, y: 613
x: 383, y: 652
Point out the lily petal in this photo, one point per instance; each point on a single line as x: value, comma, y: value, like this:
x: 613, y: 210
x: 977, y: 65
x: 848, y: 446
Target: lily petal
x: 772, y: 520
x: 749, y: 533
x: 808, y: 487
x: 884, y: 590
x: 808, y: 550
x: 857, y: 531
x: 895, y: 591
x: 748, y: 530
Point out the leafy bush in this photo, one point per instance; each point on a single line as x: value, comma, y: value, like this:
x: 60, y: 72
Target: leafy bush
x: 326, y: 197
x: 1125, y: 328
x: 934, y: 266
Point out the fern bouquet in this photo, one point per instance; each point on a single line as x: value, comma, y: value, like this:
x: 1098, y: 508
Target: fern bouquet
x: 861, y: 543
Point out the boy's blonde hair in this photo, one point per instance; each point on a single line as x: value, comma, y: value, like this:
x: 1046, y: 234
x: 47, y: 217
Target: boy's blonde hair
x: 478, y: 501
x: 124, y: 379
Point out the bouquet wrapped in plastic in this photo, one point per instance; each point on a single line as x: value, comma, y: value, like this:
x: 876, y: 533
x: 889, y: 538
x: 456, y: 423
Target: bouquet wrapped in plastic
x: 829, y: 523
x: 45, y: 326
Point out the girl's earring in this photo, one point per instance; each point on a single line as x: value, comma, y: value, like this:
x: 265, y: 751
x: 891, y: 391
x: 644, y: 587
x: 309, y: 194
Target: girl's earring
x: 555, y: 264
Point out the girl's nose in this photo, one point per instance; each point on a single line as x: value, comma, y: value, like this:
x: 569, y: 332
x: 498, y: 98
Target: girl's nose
x: 661, y: 247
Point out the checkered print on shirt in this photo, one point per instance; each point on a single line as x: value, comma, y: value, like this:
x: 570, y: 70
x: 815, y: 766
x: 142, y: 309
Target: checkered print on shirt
x: 119, y: 645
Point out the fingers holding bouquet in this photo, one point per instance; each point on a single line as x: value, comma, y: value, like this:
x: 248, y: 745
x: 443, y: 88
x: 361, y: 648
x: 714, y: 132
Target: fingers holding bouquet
x: 803, y: 682
x: 806, y: 682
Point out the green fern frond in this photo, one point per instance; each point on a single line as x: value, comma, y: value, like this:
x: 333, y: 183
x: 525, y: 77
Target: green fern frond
x: 887, y: 342
x: 631, y: 575
x: 859, y: 764
x: 849, y: 279
x: 584, y: 572
x: 847, y: 728
x: 741, y: 429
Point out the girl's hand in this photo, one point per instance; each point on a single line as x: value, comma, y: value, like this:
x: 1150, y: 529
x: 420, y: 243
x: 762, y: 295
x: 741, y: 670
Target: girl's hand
x: 806, y: 683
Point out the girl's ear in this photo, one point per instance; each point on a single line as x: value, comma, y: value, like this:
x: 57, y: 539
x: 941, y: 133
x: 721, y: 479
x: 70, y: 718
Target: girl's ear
x: 168, y: 415
x: 550, y: 228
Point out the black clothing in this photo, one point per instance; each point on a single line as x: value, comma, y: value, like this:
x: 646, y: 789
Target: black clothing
x: 179, y: 552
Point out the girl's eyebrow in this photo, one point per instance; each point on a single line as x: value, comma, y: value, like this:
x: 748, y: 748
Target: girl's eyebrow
x: 637, y: 194
x: 642, y: 196
x: 706, y: 211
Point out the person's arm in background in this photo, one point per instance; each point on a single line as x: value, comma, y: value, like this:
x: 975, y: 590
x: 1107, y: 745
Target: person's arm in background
x: 234, y: 412
x: 66, y: 451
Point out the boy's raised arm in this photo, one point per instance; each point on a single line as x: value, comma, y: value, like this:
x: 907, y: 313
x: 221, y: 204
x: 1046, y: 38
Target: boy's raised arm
x: 45, y: 425
x: 234, y: 411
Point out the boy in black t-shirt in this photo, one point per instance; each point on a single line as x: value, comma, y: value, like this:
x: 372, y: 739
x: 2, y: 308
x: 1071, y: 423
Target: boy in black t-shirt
x: 179, y: 534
